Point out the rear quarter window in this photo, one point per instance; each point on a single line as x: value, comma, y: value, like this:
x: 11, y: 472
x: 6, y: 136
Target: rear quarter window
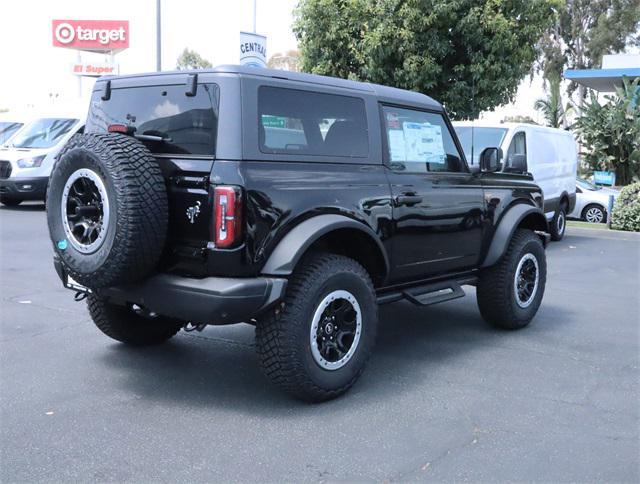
x: 292, y: 121
x: 188, y: 124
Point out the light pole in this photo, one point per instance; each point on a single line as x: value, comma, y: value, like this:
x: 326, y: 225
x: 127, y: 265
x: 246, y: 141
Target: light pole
x: 254, y: 16
x: 158, y: 36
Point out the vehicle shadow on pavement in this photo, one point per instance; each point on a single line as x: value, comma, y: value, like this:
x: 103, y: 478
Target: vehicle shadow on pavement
x: 31, y: 207
x: 220, y: 368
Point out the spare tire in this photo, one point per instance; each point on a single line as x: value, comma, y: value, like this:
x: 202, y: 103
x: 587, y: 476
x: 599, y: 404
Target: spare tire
x: 107, y: 209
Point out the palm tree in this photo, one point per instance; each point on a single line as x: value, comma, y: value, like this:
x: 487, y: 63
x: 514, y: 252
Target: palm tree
x: 551, y: 108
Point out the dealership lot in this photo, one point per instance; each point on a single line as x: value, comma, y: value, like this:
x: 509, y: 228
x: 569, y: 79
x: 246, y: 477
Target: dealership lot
x: 444, y: 398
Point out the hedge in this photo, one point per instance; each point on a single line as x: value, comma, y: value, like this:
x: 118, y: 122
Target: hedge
x: 626, y: 211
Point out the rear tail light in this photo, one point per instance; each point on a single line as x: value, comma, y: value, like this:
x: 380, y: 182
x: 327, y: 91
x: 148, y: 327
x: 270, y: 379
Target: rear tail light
x: 227, y: 217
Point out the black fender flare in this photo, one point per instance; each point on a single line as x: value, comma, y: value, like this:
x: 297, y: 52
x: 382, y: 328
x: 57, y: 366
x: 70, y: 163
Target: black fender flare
x: 292, y: 247
x: 506, y: 228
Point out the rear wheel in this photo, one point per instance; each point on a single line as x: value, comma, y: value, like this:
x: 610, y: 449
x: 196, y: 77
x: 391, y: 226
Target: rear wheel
x: 559, y: 223
x: 594, y: 214
x: 124, y: 324
x: 316, y: 345
x: 510, y: 292
x: 10, y: 202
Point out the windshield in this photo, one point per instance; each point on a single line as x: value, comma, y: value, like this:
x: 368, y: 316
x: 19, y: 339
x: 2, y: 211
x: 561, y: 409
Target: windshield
x: 7, y: 129
x: 43, y: 133
x: 585, y: 185
x: 482, y: 138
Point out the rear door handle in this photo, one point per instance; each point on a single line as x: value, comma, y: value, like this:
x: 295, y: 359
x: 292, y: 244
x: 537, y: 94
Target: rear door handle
x: 408, y: 199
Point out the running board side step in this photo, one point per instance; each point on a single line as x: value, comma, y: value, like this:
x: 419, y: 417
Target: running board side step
x: 425, y: 295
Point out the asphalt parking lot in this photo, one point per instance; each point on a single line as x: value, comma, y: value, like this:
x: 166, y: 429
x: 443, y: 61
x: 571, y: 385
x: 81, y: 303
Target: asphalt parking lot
x: 444, y: 398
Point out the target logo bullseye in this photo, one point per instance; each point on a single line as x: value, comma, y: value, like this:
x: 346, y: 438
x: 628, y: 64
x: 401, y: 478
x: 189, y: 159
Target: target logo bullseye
x: 95, y: 35
x: 64, y: 33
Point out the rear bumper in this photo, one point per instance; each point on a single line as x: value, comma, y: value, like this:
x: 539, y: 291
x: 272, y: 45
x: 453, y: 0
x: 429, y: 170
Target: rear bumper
x: 32, y: 188
x: 212, y: 300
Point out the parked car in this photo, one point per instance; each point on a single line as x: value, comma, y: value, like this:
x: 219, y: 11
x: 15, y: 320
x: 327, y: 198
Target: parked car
x: 9, y: 126
x: 26, y: 161
x: 549, y: 154
x: 293, y: 202
x: 592, y: 201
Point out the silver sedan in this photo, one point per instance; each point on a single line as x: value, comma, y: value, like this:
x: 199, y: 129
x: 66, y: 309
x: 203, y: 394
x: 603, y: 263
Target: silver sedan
x: 591, y: 202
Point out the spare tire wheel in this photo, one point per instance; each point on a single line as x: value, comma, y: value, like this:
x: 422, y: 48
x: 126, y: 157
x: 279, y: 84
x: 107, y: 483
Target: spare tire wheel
x: 107, y: 209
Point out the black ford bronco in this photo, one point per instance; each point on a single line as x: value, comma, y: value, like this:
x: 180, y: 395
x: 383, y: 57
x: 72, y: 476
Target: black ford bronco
x: 293, y: 202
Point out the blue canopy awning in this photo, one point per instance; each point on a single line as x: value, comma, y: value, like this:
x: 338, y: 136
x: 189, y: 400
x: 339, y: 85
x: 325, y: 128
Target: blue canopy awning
x: 604, y: 80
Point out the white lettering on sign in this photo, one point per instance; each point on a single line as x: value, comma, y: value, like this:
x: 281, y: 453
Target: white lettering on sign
x: 65, y: 34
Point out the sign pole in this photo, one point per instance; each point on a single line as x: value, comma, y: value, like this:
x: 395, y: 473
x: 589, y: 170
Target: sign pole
x: 79, y: 60
x: 158, y: 36
x: 254, y: 16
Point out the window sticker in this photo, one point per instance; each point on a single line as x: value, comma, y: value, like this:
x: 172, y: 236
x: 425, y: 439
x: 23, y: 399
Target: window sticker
x: 396, y: 145
x: 423, y: 142
x: 392, y: 121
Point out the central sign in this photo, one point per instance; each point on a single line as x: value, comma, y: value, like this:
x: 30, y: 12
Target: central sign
x: 253, y: 50
x: 93, y: 35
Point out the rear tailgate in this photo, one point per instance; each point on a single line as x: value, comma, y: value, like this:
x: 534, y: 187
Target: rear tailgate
x: 179, y: 127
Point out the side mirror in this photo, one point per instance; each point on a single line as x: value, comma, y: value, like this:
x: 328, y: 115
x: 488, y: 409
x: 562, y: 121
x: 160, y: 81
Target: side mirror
x: 490, y: 160
x: 518, y: 163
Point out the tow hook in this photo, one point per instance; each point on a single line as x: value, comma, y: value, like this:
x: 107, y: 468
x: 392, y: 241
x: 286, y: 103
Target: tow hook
x: 80, y: 296
x: 189, y: 327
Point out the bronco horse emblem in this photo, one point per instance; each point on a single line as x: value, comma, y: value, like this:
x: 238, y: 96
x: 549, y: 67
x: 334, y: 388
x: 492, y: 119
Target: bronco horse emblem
x: 193, y: 212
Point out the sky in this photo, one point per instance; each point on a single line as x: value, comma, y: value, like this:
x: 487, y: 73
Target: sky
x: 37, y: 76
x: 36, y: 73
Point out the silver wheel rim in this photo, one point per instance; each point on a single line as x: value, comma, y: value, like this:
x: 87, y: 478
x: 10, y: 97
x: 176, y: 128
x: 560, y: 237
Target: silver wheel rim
x: 85, y: 210
x: 560, y: 222
x: 526, y: 279
x: 594, y: 215
x: 325, y: 330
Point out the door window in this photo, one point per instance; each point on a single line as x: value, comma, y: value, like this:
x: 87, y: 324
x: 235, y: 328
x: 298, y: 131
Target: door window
x: 518, y: 146
x: 419, y: 142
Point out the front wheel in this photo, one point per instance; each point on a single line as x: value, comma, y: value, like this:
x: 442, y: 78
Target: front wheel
x: 316, y: 344
x: 126, y: 325
x: 510, y: 292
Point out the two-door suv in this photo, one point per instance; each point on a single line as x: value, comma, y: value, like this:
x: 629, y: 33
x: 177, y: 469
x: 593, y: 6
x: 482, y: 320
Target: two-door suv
x: 293, y: 202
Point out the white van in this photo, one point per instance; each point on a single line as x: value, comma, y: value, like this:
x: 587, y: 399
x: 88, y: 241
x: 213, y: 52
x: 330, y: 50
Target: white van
x: 550, y: 155
x: 27, y: 159
x: 10, y: 124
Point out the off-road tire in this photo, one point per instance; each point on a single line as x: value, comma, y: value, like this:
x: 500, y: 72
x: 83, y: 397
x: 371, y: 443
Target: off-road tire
x: 495, y: 291
x: 138, y: 214
x: 125, y: 325
x: 10, y: 202
x: 282, y: 338
x: 558, y: 225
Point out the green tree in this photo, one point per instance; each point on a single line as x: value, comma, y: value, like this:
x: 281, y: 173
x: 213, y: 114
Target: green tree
x: 469, y: 54
x: 190, y: 59
x: 610, y: 132
x: 584, y: 31
x: 551, y: 107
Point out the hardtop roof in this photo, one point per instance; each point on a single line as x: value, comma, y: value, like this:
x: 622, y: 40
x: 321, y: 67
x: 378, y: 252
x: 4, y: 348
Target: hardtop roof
x: 389, y: 94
